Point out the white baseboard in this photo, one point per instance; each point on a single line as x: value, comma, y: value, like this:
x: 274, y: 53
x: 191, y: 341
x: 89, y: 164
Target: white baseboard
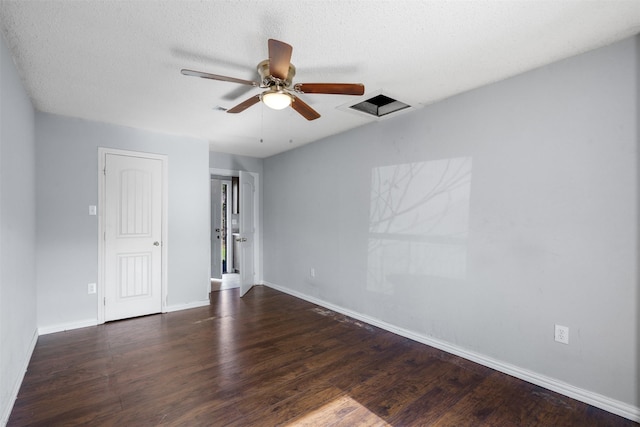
x: 6, y: 411
x: 599, y: 401
x: 61, y: 327
x: 194, y: 304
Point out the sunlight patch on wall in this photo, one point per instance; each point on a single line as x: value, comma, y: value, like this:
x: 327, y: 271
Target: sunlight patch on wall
x: 418, y: 222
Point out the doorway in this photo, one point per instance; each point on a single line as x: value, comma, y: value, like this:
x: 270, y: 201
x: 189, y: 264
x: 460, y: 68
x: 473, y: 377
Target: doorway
x: 244, y: 240
x: 224, y: 228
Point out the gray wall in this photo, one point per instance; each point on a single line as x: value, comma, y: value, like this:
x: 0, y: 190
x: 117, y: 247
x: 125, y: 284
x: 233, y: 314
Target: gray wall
x: 67, y: 239
x: 17, y: 232
x: 234, y: 162
x: 482, y: 221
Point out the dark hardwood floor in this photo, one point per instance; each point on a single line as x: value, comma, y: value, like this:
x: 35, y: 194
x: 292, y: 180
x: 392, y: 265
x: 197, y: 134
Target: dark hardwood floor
x: 271, y: 359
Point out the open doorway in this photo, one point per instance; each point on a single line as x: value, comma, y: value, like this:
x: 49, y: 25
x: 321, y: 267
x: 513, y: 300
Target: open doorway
x: 224, y: 229
x: 242, y: 229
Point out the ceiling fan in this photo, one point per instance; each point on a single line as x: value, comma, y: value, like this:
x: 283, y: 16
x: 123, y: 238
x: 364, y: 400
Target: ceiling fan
x: 277, y: 74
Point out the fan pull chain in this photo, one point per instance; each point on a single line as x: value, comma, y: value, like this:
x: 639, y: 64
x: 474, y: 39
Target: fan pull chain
x: 261, y: 124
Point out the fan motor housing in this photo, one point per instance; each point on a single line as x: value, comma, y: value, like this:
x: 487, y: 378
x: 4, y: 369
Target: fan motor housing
x: 267, y: 78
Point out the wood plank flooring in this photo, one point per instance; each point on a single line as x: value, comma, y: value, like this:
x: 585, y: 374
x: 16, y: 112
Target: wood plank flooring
x: 270, y: 359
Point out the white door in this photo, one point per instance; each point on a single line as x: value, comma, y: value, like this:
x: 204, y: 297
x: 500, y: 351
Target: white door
x: 133, y: 236
x: 247, y: 232
x: 216, y: 229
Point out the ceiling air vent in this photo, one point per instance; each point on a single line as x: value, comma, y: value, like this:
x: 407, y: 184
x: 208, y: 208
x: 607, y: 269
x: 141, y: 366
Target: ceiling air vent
x: 379, y: 105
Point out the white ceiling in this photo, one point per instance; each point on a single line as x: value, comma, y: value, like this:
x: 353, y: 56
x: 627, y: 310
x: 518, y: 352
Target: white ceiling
x: 119, y: 61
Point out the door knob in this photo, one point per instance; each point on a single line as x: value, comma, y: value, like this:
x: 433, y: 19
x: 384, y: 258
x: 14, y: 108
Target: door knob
x: 156, y: 243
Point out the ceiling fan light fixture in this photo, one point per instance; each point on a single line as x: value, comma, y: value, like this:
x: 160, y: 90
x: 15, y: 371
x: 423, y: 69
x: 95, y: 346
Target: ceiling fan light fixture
x: 277, y: 74
x: 276, y: 99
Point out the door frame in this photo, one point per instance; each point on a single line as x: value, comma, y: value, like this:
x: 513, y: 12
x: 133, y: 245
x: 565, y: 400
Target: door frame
x: 229, y: 230
x: 102, y: 153
x: 223, y: 180
x: 247, y: 231
x: 257, y: 218
x: 216, y: 264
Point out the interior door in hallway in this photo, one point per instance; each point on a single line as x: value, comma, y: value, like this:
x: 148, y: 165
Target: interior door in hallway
x: 216, y: 229
x: 247, y: 232
x: 133, y: 236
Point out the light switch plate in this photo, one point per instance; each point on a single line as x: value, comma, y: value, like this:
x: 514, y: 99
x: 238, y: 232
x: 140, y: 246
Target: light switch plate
x: 92, y: 210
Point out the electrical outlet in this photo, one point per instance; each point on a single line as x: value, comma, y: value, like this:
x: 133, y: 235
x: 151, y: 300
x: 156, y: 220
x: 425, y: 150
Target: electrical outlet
x: 562, y: 334
x: 312, y: 273
x: 91, y: 288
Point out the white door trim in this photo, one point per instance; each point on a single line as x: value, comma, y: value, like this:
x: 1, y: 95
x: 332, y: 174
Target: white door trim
x: 247, y: 228
x: 256, y: 215
x: 215, y: 190
x: 102, y: 152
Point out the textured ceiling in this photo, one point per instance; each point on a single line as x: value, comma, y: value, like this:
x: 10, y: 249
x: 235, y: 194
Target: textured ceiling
x: 119, y: 61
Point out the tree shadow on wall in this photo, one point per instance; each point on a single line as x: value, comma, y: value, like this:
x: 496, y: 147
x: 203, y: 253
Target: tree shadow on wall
x: 418, y: 222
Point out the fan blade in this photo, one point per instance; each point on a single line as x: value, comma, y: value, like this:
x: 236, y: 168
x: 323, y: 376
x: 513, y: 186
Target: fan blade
x: 245, y: 104
x: 330, y: 88
x: 218, y: 77
x: 279, y: 59
x: 303, y: 108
